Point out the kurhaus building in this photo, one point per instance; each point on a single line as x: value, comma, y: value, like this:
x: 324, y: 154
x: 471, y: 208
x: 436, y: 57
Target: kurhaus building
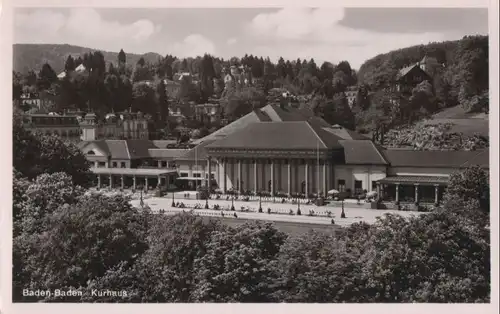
x: 283, y: 150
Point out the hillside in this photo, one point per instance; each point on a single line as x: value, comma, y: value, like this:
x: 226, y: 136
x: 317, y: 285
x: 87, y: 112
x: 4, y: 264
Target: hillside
x: 33, y: 56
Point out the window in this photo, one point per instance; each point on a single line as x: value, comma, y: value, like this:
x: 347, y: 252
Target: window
x: 101, y: 164
x: 123, y: 164
x: 184, y: 174
x: 358, y: 187
x: 197, y: 175
x: 164, y: 164
x: 374, y: 185
x: 114, y: 164
x: 341, y: 185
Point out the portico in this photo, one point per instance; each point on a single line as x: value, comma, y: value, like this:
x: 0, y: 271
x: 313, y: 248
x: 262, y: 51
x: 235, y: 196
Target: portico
x: 412, y: 189
x: 134, y: 177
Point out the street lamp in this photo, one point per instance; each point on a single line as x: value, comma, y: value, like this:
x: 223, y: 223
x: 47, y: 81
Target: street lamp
x: 173, y: 198
x: 298, y: 206
x: 342, y: 215
x: 206, y: 202
x: 232, y: 203
x: 142, y: 200
x: 260, y: 202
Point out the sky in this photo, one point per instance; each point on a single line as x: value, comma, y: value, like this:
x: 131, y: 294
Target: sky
x: 325, y: 34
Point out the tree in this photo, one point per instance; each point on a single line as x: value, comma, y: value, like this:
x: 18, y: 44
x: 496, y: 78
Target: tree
x: 83, y: 241
x: 239, y: 265
x: 144, y: 98
x: 166, y: 270
x: 141, y: 62
x: 70, y: 64
x: 46, y: 77
x: 122, y: 58
x: 35, y: 154
x: 42, y: 197
x: 207, y: 74
x: 162, y: 101
x: 17, y: 88
x: 468, y: 193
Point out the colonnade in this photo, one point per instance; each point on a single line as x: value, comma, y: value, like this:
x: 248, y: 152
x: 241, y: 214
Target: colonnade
x: 380, y: 192
x: 161, y: 180
x: 275, y: 175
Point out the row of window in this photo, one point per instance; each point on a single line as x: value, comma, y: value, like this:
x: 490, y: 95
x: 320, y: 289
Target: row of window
x: 358, y: 186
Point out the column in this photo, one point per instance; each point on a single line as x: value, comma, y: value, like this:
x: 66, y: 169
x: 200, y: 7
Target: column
x: 146, y: 181
x: 209, y: 177
x: 325, y: 179
x: 219, y: 183
x: 110, y: 181
x: 159, y: 163
x: 279, y: 175
x: 272, y: 177
x: 98, y: 181
x: 379, y: 196
x: 239, y: 177
x: 436, y: 194
x: 289, y: 177
x: 224, y: 175
x: 397, y: 192
x: 416, y: 193
x: 134, y: 186
x: 158, y: 185
x: 264, y: 183
x: 123, y: 182
x: 306, y: 177
x: 255, y: 177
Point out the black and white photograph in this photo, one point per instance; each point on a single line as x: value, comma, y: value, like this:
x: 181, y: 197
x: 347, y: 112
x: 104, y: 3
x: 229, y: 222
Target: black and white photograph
x: 256, y: 154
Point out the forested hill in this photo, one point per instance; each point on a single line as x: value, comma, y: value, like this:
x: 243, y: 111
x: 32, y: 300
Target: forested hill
x: 32, y: 56
x: 459, y: 68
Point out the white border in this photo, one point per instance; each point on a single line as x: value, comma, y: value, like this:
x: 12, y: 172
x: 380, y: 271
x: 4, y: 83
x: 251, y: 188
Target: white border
x: 6, y: 168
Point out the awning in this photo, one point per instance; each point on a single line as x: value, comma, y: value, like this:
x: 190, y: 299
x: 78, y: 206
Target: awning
x: 133, y: 171
x: 429, y: 180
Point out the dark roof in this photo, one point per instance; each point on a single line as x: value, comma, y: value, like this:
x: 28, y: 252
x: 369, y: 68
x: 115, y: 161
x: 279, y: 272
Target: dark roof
x: 450, y: 159
x: 199, y: 152
x: 344, y: 133
x: 139, y: 148
x: 163, y: 143
x: 118, y: 149
x: 404, y: 71
x: 362, y: 152
x: 166, y: 153
x: 279, y: 135
x: 101, y: 145
x: 252, y: 117
x: 482, y: 159
x: 416, y: 179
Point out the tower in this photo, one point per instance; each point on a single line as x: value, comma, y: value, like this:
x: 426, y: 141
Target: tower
x: 88, y: 127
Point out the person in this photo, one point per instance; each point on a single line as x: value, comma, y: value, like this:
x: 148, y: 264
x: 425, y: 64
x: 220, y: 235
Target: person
x: 235, y: 216
x: 333, y: 221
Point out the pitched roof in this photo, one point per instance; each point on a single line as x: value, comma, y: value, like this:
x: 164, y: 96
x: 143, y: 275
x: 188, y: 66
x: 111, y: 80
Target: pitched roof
x: 197, y: 153
x: 100, y: 144
x: 118, y: 149
x: 344, y: 133
x: 450, y: 159
x: 166, y: 153
x: 139, y: 148
x: 234, y: 126
x: 279, y: 135
x: 163, y: 143
x: 362, y: 152
x: 406, y: 70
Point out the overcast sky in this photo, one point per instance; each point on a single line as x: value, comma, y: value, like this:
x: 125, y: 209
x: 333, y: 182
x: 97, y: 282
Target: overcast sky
x: 352, y: 34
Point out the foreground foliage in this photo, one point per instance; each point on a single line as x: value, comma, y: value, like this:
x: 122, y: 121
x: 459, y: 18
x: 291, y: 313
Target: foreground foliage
x: 68, y: 239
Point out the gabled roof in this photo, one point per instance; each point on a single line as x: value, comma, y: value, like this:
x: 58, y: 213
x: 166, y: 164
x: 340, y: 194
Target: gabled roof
x: 432, y: 159
x: 118, y: 149
x: 362, y: 152
x: 297, y: 135
x: 252, y: 117
x: 101, y: 145
x: 139, y: 148
x: 197, y: 153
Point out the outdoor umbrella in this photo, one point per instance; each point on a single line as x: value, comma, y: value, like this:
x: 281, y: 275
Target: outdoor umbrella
x: 332, y: 192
